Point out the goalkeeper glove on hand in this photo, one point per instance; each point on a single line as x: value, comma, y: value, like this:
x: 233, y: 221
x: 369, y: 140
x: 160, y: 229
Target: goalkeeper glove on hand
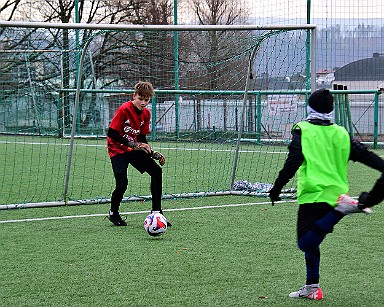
x: 144, y: 147
x: 274, y: 194
x: 158, y: 156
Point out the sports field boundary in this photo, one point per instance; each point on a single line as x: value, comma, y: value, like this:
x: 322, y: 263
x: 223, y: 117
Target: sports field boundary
x: 139, y: 212
x: 137, y: 198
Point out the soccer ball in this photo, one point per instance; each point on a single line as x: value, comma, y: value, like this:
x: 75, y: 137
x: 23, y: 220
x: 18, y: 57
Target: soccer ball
x: 155, y: 224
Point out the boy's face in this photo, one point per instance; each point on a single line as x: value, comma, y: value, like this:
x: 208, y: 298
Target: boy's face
x: 140, y: 102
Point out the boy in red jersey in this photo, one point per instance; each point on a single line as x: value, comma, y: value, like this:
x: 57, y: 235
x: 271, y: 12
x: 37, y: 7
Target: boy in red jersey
x: 127, y: 144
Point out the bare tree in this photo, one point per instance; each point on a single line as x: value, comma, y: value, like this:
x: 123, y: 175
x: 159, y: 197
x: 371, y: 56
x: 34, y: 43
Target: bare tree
x: 121, y: 58
x: 219, y: 12
x: 8, y: 9
x: 116, y: 56
x: 216, y: 46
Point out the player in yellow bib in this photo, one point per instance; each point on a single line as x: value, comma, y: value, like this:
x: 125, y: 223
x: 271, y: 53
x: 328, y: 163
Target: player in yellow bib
x: 323, y: 173
x: 319, y: 152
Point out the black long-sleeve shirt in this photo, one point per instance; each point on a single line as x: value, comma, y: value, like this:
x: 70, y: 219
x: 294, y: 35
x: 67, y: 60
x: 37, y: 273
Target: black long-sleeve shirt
x: 114, y: 134
x: 359, y: 153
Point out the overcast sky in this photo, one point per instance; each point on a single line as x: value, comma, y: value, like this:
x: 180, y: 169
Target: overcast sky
x: 361, y: 9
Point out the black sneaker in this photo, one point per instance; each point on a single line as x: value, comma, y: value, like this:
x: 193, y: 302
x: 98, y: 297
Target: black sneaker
x: 116, y: 219
x: 169, y: 224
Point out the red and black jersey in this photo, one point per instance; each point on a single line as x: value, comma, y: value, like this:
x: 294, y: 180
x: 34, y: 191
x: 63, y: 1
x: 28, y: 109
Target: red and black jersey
x: 129, y: 122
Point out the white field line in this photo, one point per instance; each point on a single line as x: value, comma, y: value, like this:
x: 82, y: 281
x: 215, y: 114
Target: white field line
x: 162, y: 148
x: 137, y: 212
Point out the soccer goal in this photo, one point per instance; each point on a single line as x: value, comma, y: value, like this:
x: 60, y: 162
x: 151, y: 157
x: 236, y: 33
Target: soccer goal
x: 226, y: 98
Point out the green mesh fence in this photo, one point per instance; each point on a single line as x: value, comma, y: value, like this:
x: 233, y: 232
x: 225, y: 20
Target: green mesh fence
x: 195, y: 126
x: 199, y: 78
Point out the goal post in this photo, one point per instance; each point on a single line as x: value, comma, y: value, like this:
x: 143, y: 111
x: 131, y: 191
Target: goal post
x: 239, y: 88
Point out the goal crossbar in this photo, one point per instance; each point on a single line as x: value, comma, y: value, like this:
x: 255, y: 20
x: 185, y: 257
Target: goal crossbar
x: 125, y: 27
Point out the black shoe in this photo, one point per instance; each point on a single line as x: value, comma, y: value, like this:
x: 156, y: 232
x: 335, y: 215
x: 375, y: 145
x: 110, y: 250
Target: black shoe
x: 169, y: 224
x: 116, y: 219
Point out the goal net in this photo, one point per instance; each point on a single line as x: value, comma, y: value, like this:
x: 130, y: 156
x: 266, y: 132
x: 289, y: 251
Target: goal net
x: 225, y: 101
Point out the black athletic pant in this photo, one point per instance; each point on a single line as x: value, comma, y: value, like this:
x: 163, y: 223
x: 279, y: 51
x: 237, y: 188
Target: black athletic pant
x: 143, y: 163
x: 314, y: 222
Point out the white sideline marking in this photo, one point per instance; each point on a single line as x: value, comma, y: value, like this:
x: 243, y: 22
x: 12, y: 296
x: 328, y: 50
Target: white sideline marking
x: 157, y: 148
x: 136, y: 212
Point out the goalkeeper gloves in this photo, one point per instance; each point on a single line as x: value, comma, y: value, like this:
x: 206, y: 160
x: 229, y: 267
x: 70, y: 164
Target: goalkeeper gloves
x: 274, y: 194
x: 158, y: 156
x: 147, y: 149
x: 144, y: 147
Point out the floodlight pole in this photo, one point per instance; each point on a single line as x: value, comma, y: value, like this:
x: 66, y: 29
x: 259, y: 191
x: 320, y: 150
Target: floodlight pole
x: 77, y: 40
x: 176, y: 68
x: 311, y: 56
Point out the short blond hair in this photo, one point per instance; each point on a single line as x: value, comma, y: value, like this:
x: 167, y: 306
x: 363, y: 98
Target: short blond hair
x: 144, y: 89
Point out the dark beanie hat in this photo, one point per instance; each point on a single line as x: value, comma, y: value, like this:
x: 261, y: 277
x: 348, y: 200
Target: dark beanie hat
x: 321, y: 101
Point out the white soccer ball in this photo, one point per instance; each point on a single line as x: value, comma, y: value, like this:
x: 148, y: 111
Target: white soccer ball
x: 155, y: 224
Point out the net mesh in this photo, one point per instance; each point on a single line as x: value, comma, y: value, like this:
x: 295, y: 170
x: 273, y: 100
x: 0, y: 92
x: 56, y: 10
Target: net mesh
x: 196, y: 112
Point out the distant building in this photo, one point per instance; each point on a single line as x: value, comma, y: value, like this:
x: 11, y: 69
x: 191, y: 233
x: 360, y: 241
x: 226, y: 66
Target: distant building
x: 324, y: 78
x: 362, y: 74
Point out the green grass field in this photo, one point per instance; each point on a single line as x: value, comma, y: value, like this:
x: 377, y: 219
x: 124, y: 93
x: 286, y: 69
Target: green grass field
x: 217, y: 253
x: 217, y: 256
x: 34, y: 169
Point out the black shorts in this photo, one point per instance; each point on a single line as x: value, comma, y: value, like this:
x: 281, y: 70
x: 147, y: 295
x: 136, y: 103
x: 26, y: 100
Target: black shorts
x: 137, y: 158
x: 309, y: 214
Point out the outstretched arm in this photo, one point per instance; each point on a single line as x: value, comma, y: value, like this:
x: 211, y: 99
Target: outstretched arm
x: 292, y: 163
x: 360, y: 153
